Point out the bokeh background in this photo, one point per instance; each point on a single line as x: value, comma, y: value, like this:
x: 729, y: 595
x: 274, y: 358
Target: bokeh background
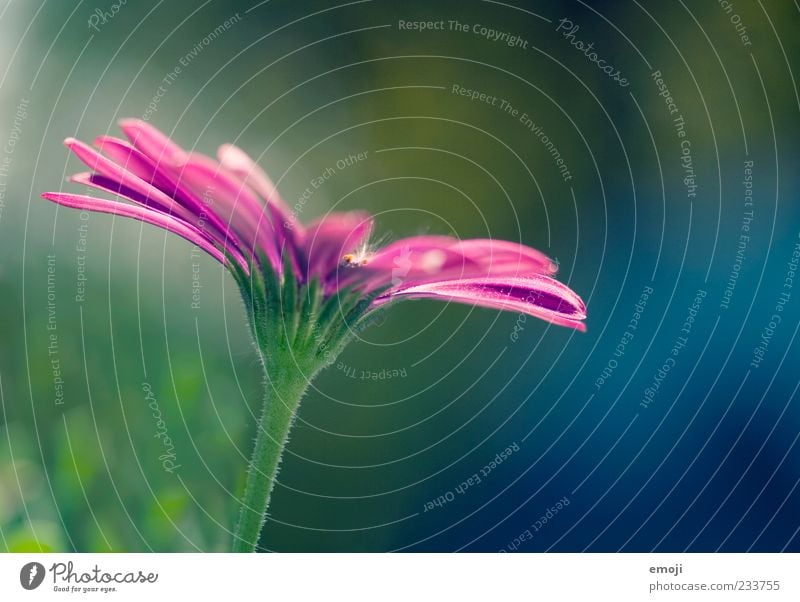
x: 598, y: 460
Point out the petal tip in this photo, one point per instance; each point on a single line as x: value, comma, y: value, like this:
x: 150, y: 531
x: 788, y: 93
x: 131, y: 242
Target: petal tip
x: 100, y: 141
x: 130, y: 122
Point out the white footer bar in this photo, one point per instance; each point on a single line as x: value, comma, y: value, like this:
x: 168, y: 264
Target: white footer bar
x: 401, y: 577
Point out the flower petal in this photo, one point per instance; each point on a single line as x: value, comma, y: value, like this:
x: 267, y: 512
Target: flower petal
x: 288, y: 229
x: 502, y: 256
x: 234, y: 200
x: 106, y: 167
x: 132, y: 159
x: 150, y: 195
x: 330, y: 237
x: 105, y: 184
x: 537, y: 295
x: 239, y: 163
x: 152, y: 142
x: 147, y: 215
x: 433, y: 258
x: 417, y: 258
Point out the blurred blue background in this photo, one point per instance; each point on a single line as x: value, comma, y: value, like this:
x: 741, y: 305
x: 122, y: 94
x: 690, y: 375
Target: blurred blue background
x: 652, y: 431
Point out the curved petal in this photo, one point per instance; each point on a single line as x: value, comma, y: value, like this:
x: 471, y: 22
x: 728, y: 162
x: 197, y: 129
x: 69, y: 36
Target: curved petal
x: 417, y: 258
x: 416, y: 245
x: 152, y: 142
x: 150, y: 195
x: 329, y: 238
x: 134, y: 160
x: 131, y: 159
x: 537, y: 295
x: 106, y: 167
x: 238, y: 162
x: 433, y: 258
x: 235, y: 201
x: 100, y: 182
x: 147, y: 215
x: 504, y: 256
x: 288, y: 229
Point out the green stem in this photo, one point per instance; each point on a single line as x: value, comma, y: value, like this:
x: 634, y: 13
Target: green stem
x: 298, y: 333
x: 286, y: 384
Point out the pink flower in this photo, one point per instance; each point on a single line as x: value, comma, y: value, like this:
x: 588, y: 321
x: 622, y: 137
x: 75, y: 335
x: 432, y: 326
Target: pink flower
x: 247, y: 224
x: 305, y: 286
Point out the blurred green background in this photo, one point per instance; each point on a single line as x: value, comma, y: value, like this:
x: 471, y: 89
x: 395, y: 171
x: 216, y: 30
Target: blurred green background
x: 301, y: 85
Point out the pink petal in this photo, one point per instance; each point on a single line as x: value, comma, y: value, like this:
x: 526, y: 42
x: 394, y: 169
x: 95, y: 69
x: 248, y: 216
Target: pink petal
x: 234, y: 199
x: 413, y: 244
x: 109, y: 169
x: 419, y: 257
x: 288, y: 229
x: 329, y: 238
x: 132, y: 159
x: 502, y: 255
x: 432, y: 258
x: 536, y: 295
x: 152, y: 142
x: 101, y: 182
x: 149, y: 194
x: 239, y: 163
x: 147, y: 215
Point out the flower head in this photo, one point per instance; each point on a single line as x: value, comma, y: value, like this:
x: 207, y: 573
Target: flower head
x: 307, y: 288
x: 231, y: 209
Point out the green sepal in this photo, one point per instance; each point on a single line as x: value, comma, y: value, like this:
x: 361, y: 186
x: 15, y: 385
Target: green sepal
x: 298, y: 332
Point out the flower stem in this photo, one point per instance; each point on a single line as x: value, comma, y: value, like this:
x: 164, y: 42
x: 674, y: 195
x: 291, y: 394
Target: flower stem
x: 285, y: 386
x: 298, y: 332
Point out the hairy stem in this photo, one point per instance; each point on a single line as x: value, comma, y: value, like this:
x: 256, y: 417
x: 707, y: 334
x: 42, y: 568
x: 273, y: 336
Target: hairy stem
x: 298, y: 333
x: 285, y: 386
